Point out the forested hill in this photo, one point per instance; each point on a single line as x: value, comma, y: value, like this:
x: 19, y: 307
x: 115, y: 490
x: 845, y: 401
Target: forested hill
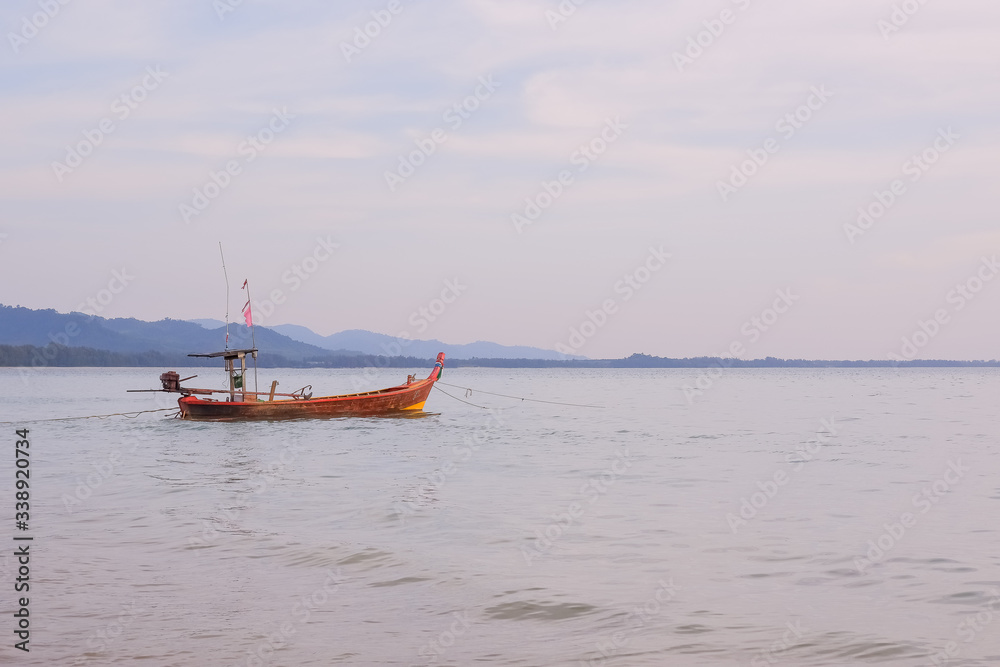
x: 39, y: 328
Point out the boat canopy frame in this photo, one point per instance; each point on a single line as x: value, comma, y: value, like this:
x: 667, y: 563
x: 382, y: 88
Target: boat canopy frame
x: 230, y: 357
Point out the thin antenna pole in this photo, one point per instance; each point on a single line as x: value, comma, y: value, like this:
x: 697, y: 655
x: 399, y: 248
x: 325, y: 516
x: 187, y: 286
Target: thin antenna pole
x: 253, y: 339
x: 227, y: 292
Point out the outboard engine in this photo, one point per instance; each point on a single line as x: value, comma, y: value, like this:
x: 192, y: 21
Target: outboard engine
x: 171, y: 381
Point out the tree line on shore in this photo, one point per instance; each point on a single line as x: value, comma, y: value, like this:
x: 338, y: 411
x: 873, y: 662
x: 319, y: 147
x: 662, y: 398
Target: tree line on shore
x: 62, y: 356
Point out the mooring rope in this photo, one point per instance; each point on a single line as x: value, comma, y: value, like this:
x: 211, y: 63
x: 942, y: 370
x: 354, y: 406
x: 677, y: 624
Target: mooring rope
x: 481, y: 407
x: 128, y: 415
x: 517, y: 398
x: 469, y: 391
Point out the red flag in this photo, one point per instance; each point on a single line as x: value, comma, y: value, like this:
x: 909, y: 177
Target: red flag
x: 247, y: 315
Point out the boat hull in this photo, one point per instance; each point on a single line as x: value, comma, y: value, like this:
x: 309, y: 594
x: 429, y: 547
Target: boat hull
x: 393, y: 401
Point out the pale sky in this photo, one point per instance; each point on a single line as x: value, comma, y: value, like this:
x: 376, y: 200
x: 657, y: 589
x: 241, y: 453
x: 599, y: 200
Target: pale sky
x: 115, y: 113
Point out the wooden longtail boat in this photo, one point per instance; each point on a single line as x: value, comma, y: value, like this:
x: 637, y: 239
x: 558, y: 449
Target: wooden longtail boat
x: 242, y: 405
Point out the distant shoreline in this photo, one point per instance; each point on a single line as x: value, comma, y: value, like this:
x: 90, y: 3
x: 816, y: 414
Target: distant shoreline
x: 60, y: 356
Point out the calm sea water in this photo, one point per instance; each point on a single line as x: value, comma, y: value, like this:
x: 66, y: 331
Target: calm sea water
x: 784, y: 517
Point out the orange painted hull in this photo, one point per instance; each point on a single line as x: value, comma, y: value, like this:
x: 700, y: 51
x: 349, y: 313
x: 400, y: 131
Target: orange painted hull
x: 384, y: 402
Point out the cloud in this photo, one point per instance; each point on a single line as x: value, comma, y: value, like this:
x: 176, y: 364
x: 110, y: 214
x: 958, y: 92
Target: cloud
x: 353, y: 121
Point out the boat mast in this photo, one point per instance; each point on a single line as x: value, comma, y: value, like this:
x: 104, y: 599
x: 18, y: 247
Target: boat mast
x: 227, y: 292
x: 253, y: 339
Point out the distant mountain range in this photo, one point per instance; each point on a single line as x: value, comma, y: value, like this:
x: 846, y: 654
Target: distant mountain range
x: 367, y: 342
x: 37, y: 338
x: 286, y: 343
x: 24, y: 326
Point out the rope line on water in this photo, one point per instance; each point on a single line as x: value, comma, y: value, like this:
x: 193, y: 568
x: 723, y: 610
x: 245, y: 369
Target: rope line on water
x: 482, y: 407
x: 518, y: 398
x: 469, y: 391
x: 128, y: 415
